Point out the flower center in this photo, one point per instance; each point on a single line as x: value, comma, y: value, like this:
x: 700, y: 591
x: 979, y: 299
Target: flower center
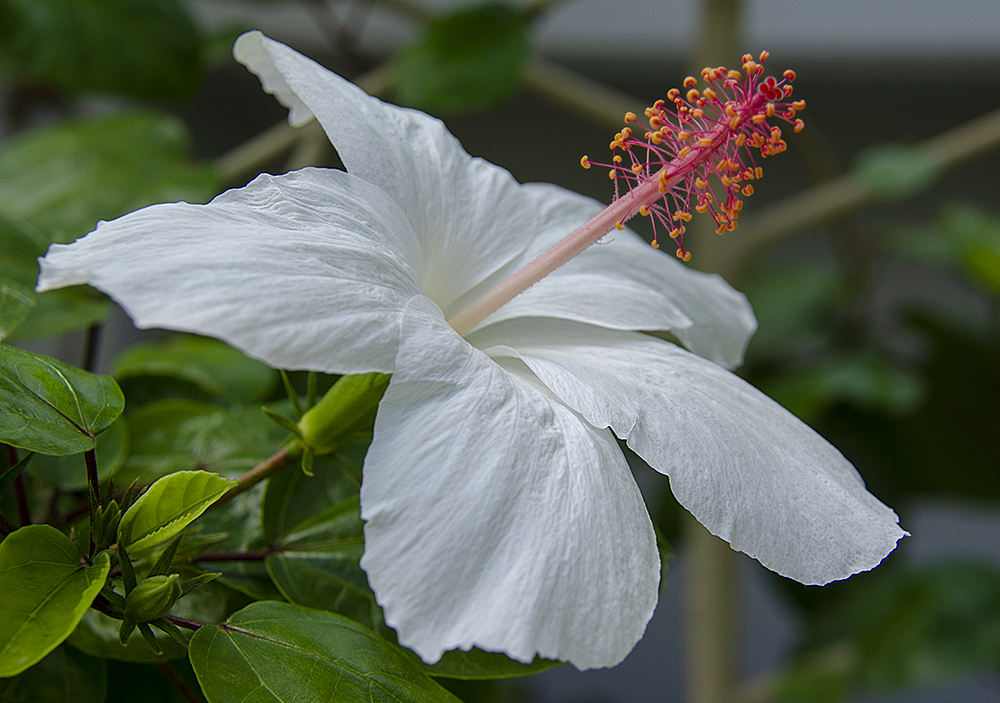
x: 698, y: 150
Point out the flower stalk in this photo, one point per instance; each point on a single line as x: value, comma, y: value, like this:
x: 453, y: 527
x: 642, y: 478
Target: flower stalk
x: 699, y: 150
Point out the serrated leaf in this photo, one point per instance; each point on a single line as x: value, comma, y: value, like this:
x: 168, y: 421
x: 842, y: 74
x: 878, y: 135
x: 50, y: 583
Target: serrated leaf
x: 63, y: 676
x: 145, y: 48
x: 171, y: 435
x: 70, y: 472
x: 211, y: 365
x: 283, y: 652
x: 51, y: 407
x: 168, y: 506
x: 63, y: 179
x: 46, y: 591
x: 467, y: 60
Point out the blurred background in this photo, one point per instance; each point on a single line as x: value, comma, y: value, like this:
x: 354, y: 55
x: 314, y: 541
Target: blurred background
x: 871, y: 254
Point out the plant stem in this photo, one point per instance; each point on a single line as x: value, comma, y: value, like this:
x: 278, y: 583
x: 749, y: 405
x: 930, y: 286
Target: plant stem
x: 91, y: 345
x: 90, y: 456
x: 256, y: 555
x: 281, y: 459
x: 184, y: 622
x: 23, y: 514
x: 179, y: 684
x: 6, y: 525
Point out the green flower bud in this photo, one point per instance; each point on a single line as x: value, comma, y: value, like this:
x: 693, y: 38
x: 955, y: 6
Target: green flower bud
x: 153, y: 597
x: 347, y: 407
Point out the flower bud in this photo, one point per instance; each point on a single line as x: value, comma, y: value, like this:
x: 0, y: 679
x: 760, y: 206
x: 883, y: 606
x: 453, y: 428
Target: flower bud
x: 347, y: 407
x: 153, y: 597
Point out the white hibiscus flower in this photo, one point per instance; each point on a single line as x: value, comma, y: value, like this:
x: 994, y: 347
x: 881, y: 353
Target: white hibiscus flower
x: 499, y: 509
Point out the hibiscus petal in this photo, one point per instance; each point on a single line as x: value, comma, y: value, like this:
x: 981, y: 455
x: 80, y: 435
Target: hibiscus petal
x: 745, y: 467
x: 623, y: 283
x: 307, y: 270
x: 496, y: 517
x: 470, y: 216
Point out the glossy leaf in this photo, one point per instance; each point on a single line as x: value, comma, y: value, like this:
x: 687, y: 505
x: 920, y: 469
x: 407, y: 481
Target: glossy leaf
x: 25, y: 314
x: 14, y: 309
x: 46, y: 591
x: 51, y: 407
x: 477, y: 664
x: 168, y: 506
x: 97, y: 635
x: 211, y: 365
x: 65, y: 675
x: 467, y: 60
x: 70, y: 472
x: 172, y: 435
x: 145, y: 48
x: 63, y: 179
x: 284, y: 652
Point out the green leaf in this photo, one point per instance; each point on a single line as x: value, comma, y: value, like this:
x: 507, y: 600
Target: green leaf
x: 317, y: 564
x: 171, y: 435
x: 894, y: 171
x: 984, y: 264
x: 168, y: 506
x: 51, y: 407
x: 468, y: 60
x: 63, y: 179
x: 145, y: 48
x: 63, y: 676
x: 477, y: 664
x: 901, y: 628
x: 211, y: 365
x: 70, y: 472
x: 14, y: 309
x: 284, y: 652
x: 239, y: 520
x: 97, y: 635
x: 46, y: 591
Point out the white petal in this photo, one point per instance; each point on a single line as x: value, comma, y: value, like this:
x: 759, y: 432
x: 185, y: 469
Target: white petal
x: 471, y: 217
x: 623, y: 283
x: 496, y: 517
x: 307, y: 270
x: 749, y: 470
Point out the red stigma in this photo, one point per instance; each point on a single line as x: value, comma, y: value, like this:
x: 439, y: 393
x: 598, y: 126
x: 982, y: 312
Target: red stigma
x: 698, y: 146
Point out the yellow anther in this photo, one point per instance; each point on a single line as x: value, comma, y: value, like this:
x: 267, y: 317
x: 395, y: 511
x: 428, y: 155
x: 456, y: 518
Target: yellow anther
x: 655, y: 244
x: 644, y: 211
x: 730, y: 109
x: 758, y: 118
x: 697, y: 112
x: 690, y: 82
x: 734, y: 75
x: 703, y: 207
x: 726, y: 180
x: 649, y: 112
x: 799, y: 104
x: 683, y: 136
x: 673, y: 94
x: 789, y: 74
x: 675, y: 233
x: 710, y: 94
x: 617, y: 159
x: 758, y: 172
x: 721, y: 166
x: 747, y: 57
x: 707, y: 73
x: 611, y: 174
x: 763, y: 55
x: 700, y: 183
x: 683, y: 255
x: 626, y: 133
x: 692, y: 95
x: 740, y: 139
x: 683, y: 152
x: 747, y: 190
x: 656, y: 138
x: 658, y: 105
x: 705, y: 141
x: 770, y: 109
x: 787, y: 90
x: 732, y: 225
x: 799, y: 126
x: 585, y: 162
x: 750, y: 67
x: 637, y: 168
x: 663, y: 181
x: 630, y: 117
x: 733, y: 166
x: 619, y: 225
x: 721, y: 229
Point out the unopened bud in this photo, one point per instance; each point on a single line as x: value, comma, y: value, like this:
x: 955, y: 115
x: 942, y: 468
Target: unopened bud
x: 347, y: 407
x: 153, y: 597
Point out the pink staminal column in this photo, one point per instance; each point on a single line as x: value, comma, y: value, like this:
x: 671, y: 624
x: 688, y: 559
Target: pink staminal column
x: 694, y: 148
